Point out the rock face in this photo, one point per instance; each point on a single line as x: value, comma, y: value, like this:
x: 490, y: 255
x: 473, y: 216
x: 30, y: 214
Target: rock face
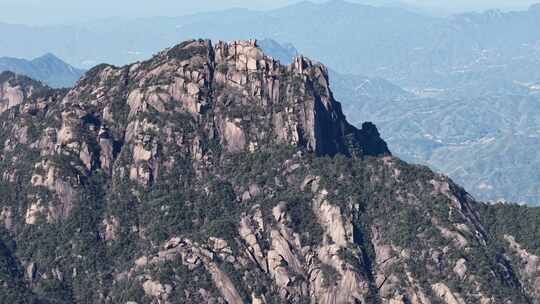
x: 14, y: 89
x: 530, y: 271
x: 214, y: 174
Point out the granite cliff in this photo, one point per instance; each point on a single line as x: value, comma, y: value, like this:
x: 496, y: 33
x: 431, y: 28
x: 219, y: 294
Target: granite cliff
x: 214, y: 174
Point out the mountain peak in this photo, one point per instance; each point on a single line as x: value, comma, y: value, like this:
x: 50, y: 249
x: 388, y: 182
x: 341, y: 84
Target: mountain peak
x: 15, y: 89
x: 48, y: 56
x: 254, y: 100
x: 49, y: 59
x: 294, y: 95
x: 187, y: 176
x: 47, y: 68
x: 189, y: 49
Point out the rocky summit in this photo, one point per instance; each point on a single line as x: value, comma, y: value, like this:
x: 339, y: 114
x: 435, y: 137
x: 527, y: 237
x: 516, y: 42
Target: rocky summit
x: 215, y: 174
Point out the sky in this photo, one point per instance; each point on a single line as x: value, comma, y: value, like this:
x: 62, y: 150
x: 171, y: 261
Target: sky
x: 466, y: 5
x: 36, y: 12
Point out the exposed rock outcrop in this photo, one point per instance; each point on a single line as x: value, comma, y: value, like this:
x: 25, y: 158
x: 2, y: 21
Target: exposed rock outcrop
x: 530, y: 270
x: 215, y: 174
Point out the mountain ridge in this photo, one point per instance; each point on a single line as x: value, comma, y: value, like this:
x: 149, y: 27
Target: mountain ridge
x: 214, y: 174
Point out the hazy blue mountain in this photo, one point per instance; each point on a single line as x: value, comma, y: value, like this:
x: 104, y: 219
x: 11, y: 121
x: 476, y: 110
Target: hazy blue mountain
x: 485, y: 142
x: 284, y: 52
x: 410, y: 49
x: 47, y: 68
x: 351, y: 88
x: 348, y: 87
x: 314, y: 28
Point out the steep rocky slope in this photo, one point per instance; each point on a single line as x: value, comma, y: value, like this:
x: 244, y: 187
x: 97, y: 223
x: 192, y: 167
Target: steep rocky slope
x: 214, y: 174
x: 470, y: 61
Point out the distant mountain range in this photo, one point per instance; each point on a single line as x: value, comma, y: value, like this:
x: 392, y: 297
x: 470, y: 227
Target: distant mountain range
x: 348, y: 87
x: 47, y: 68
x: 488, y: 144
x: 283, y: 52
x: 411, y: 49
x: 485, y: 142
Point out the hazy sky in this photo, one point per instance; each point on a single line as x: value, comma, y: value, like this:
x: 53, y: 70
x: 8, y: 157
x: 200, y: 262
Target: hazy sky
x: 69, y: 11
x: 463, y: 5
